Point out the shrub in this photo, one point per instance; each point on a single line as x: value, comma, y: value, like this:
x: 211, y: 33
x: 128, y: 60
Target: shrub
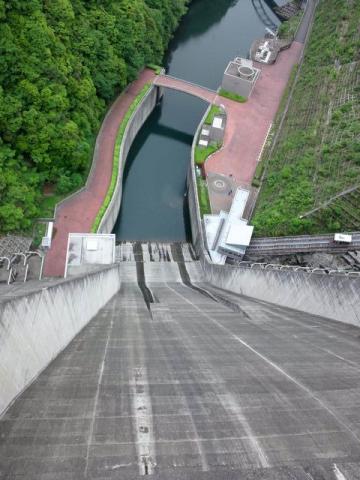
x: 232, y: 96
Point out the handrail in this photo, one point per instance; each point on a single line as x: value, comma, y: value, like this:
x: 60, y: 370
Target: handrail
x: 188, y: 82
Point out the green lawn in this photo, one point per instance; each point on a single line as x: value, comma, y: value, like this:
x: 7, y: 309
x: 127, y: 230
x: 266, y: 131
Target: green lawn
x: 214, y: 110
x: 202, y: 153
x: 232, y: 96
x: 157, y: 68
x: 203, y: 196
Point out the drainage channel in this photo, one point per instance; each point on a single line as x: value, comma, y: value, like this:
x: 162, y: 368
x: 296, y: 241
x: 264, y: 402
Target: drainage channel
x: 140, y: 273
x: 185, y: 278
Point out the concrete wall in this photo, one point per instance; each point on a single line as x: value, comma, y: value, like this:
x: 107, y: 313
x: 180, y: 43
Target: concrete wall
x: 35, y: 327
x: 135, y: 123
x: 333, y: 296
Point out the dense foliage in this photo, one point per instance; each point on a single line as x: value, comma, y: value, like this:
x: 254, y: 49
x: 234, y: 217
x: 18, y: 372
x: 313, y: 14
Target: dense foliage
x: 61, y: 63
x: 318, y: 153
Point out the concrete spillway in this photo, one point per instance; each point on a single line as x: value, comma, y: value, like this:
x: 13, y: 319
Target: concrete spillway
x: 191, y: 382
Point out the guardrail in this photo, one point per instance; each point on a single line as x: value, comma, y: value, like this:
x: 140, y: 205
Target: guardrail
x: 11, y: 268
x: 296, y: 268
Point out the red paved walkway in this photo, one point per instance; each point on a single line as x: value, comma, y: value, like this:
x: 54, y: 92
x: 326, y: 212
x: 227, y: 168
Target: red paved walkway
x: 248, y: 123
x: 78, y: 214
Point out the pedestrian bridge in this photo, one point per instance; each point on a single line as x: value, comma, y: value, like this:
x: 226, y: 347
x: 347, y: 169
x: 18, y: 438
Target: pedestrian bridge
x: 167, y: 81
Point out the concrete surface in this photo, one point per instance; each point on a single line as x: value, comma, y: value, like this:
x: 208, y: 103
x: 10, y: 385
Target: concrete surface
x: 35, y: 327
x: 195, y: 385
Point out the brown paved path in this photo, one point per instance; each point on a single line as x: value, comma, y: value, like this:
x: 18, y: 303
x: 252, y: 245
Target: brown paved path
x: 78, y: 213
x: 248, y: 123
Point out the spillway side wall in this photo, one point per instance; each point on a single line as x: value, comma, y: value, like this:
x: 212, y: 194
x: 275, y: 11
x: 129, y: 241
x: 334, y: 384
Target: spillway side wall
x: 35, y: 328
x: 137, y: 120
x: 333, y: 296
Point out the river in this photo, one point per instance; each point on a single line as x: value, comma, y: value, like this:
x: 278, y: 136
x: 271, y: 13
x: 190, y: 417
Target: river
x: 211, y: 34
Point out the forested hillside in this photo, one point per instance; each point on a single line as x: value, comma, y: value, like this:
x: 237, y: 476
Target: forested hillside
x: 61, y: 64
x: 317, y: 158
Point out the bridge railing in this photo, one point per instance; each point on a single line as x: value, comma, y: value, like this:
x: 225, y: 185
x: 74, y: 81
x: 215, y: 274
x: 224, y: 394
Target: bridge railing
x: 193, y: 84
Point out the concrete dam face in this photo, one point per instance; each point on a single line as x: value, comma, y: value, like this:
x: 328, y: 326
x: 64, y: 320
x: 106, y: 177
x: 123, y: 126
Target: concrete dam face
x: 178, y: 379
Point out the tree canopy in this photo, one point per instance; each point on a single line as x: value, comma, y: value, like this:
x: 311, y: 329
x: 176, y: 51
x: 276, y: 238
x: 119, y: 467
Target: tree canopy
x: 61, y: 64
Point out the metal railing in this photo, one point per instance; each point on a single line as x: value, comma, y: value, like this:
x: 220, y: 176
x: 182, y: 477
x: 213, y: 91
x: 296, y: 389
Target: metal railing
x: 296, y: 268
x: 13, y: 270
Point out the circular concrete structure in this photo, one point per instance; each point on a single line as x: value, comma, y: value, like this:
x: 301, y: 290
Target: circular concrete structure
x: 246, y: 72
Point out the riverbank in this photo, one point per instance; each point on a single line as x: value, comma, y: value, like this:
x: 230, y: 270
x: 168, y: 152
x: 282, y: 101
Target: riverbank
x: 78, y: 213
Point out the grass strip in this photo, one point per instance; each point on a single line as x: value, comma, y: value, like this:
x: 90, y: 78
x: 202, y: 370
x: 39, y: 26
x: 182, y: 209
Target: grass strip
x: 156, y: 68
x: 116, y: 157
x: 232, y: 96
x: 201, y: 153
x: 214, y: 110
x: 203, y: 195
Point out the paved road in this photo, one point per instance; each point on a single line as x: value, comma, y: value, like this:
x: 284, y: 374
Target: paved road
x: 302, y: 32
x: 197, y: 386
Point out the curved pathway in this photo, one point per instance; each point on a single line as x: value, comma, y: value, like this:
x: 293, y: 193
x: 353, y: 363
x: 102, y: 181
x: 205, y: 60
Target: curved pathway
x: 77, y: 213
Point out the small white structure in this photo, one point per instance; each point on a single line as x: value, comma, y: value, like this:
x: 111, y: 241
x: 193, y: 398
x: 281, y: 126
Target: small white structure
x: 342, y: 238
x: 263, y: 53
x: 46, y: 240
x: 239, y: 235
x: 217, y: 122
x: 228, y: 234
x: 86, y: 250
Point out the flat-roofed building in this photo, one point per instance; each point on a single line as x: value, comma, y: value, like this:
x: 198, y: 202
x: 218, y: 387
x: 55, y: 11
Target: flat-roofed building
x: 228, y: 234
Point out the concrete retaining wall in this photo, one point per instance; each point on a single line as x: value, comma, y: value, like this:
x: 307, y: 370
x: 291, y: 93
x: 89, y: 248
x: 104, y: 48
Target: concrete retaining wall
x: 36, y: 327
x: 135, y: 123
x: 333, y: 296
